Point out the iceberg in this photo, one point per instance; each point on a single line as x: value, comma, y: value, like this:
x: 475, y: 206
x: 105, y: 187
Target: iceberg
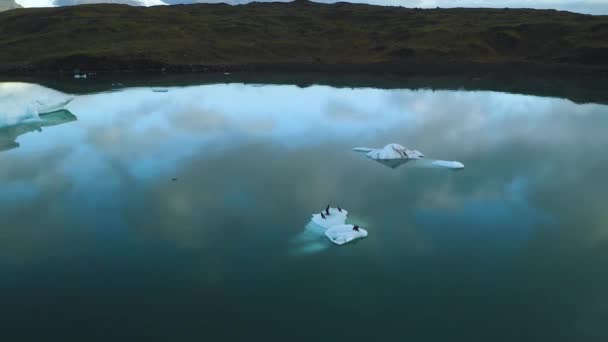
x: 335, y: 217
x: 395, y: 155
x: 345, y: 233
x: 390, y: 151
x: 391, y: 155
x: 23, y: 102
x: 333, y: 227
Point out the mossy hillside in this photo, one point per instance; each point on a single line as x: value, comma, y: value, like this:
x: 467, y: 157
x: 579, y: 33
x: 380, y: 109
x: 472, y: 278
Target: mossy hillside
x: 303, y: 33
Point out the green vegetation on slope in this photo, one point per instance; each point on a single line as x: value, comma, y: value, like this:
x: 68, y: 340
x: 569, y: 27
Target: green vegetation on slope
x: 6, y: 5
x: 309, y: 35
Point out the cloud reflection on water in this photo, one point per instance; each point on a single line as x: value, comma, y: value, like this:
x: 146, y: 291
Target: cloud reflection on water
x: 293, y: 145
x: 526, y: 218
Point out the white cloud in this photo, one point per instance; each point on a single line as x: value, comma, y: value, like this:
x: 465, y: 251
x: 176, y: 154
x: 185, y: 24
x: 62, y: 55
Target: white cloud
x: 597, y: 7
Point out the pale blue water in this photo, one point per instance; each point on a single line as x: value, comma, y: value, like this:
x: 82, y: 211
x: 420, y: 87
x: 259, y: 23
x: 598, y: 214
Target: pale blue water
x: 141, y: 214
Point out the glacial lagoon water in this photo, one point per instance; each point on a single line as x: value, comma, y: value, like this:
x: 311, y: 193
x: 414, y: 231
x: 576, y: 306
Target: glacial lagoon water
x: 182, y: 214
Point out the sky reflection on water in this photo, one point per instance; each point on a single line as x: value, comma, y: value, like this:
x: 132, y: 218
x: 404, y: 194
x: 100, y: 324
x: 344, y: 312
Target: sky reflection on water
x: 252, y: 163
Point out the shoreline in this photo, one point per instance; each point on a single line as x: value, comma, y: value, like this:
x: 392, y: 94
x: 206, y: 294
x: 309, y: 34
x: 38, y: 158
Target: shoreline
x: 577, y: 88
x: 409, y: 68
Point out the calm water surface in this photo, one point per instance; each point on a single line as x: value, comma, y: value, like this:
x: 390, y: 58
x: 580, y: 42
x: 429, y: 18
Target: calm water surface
x: 180, y: 214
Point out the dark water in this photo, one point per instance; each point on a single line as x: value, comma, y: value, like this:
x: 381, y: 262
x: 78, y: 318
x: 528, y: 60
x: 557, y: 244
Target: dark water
x: 179, y: 214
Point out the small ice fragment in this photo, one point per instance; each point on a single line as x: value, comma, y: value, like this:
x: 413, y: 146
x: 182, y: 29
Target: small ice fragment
x: 363, y: 149
x: 345, y: 233
x: 310, y: 248
x: 449, y: 164
x: 335, y: 217
x: 311, y: 240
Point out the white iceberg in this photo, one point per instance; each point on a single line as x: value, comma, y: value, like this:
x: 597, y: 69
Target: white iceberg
x: 391, y: 155
x: 345, y: 233
x: 336, y: 217
x: 449, y: 164
x: 390, y: 151
x: 23, y: 102
x: 395, y: 155
x: 314, y: 237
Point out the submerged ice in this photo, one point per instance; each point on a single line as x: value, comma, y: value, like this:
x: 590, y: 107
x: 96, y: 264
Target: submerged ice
x: 310, y: 241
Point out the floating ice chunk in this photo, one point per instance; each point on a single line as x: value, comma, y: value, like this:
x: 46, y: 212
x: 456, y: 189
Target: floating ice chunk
x: 23, y: 102
x: 448, y: 164
x: 390, y: 151
x: 335, y: 217
x: 363, y: 149
x: 312, y: 239
x: 395, y: 155
x: 391, y: 155
x: 344, y: 233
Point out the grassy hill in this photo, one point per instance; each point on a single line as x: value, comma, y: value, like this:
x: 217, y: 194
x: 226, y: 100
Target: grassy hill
x: 8, y: 4
x: 299, y: 36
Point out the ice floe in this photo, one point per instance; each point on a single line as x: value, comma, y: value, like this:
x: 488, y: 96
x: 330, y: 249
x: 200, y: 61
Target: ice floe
x: 315, y: 236
x: 22, y: 102
x: 390, y: 151
x: 345, y: 233
x: 395, y: 155
x: 448, y: 164
x: 335, y: 217
x: 391, y: 155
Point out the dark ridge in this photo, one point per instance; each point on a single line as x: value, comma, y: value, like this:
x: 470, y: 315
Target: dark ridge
x: 302, y: 36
